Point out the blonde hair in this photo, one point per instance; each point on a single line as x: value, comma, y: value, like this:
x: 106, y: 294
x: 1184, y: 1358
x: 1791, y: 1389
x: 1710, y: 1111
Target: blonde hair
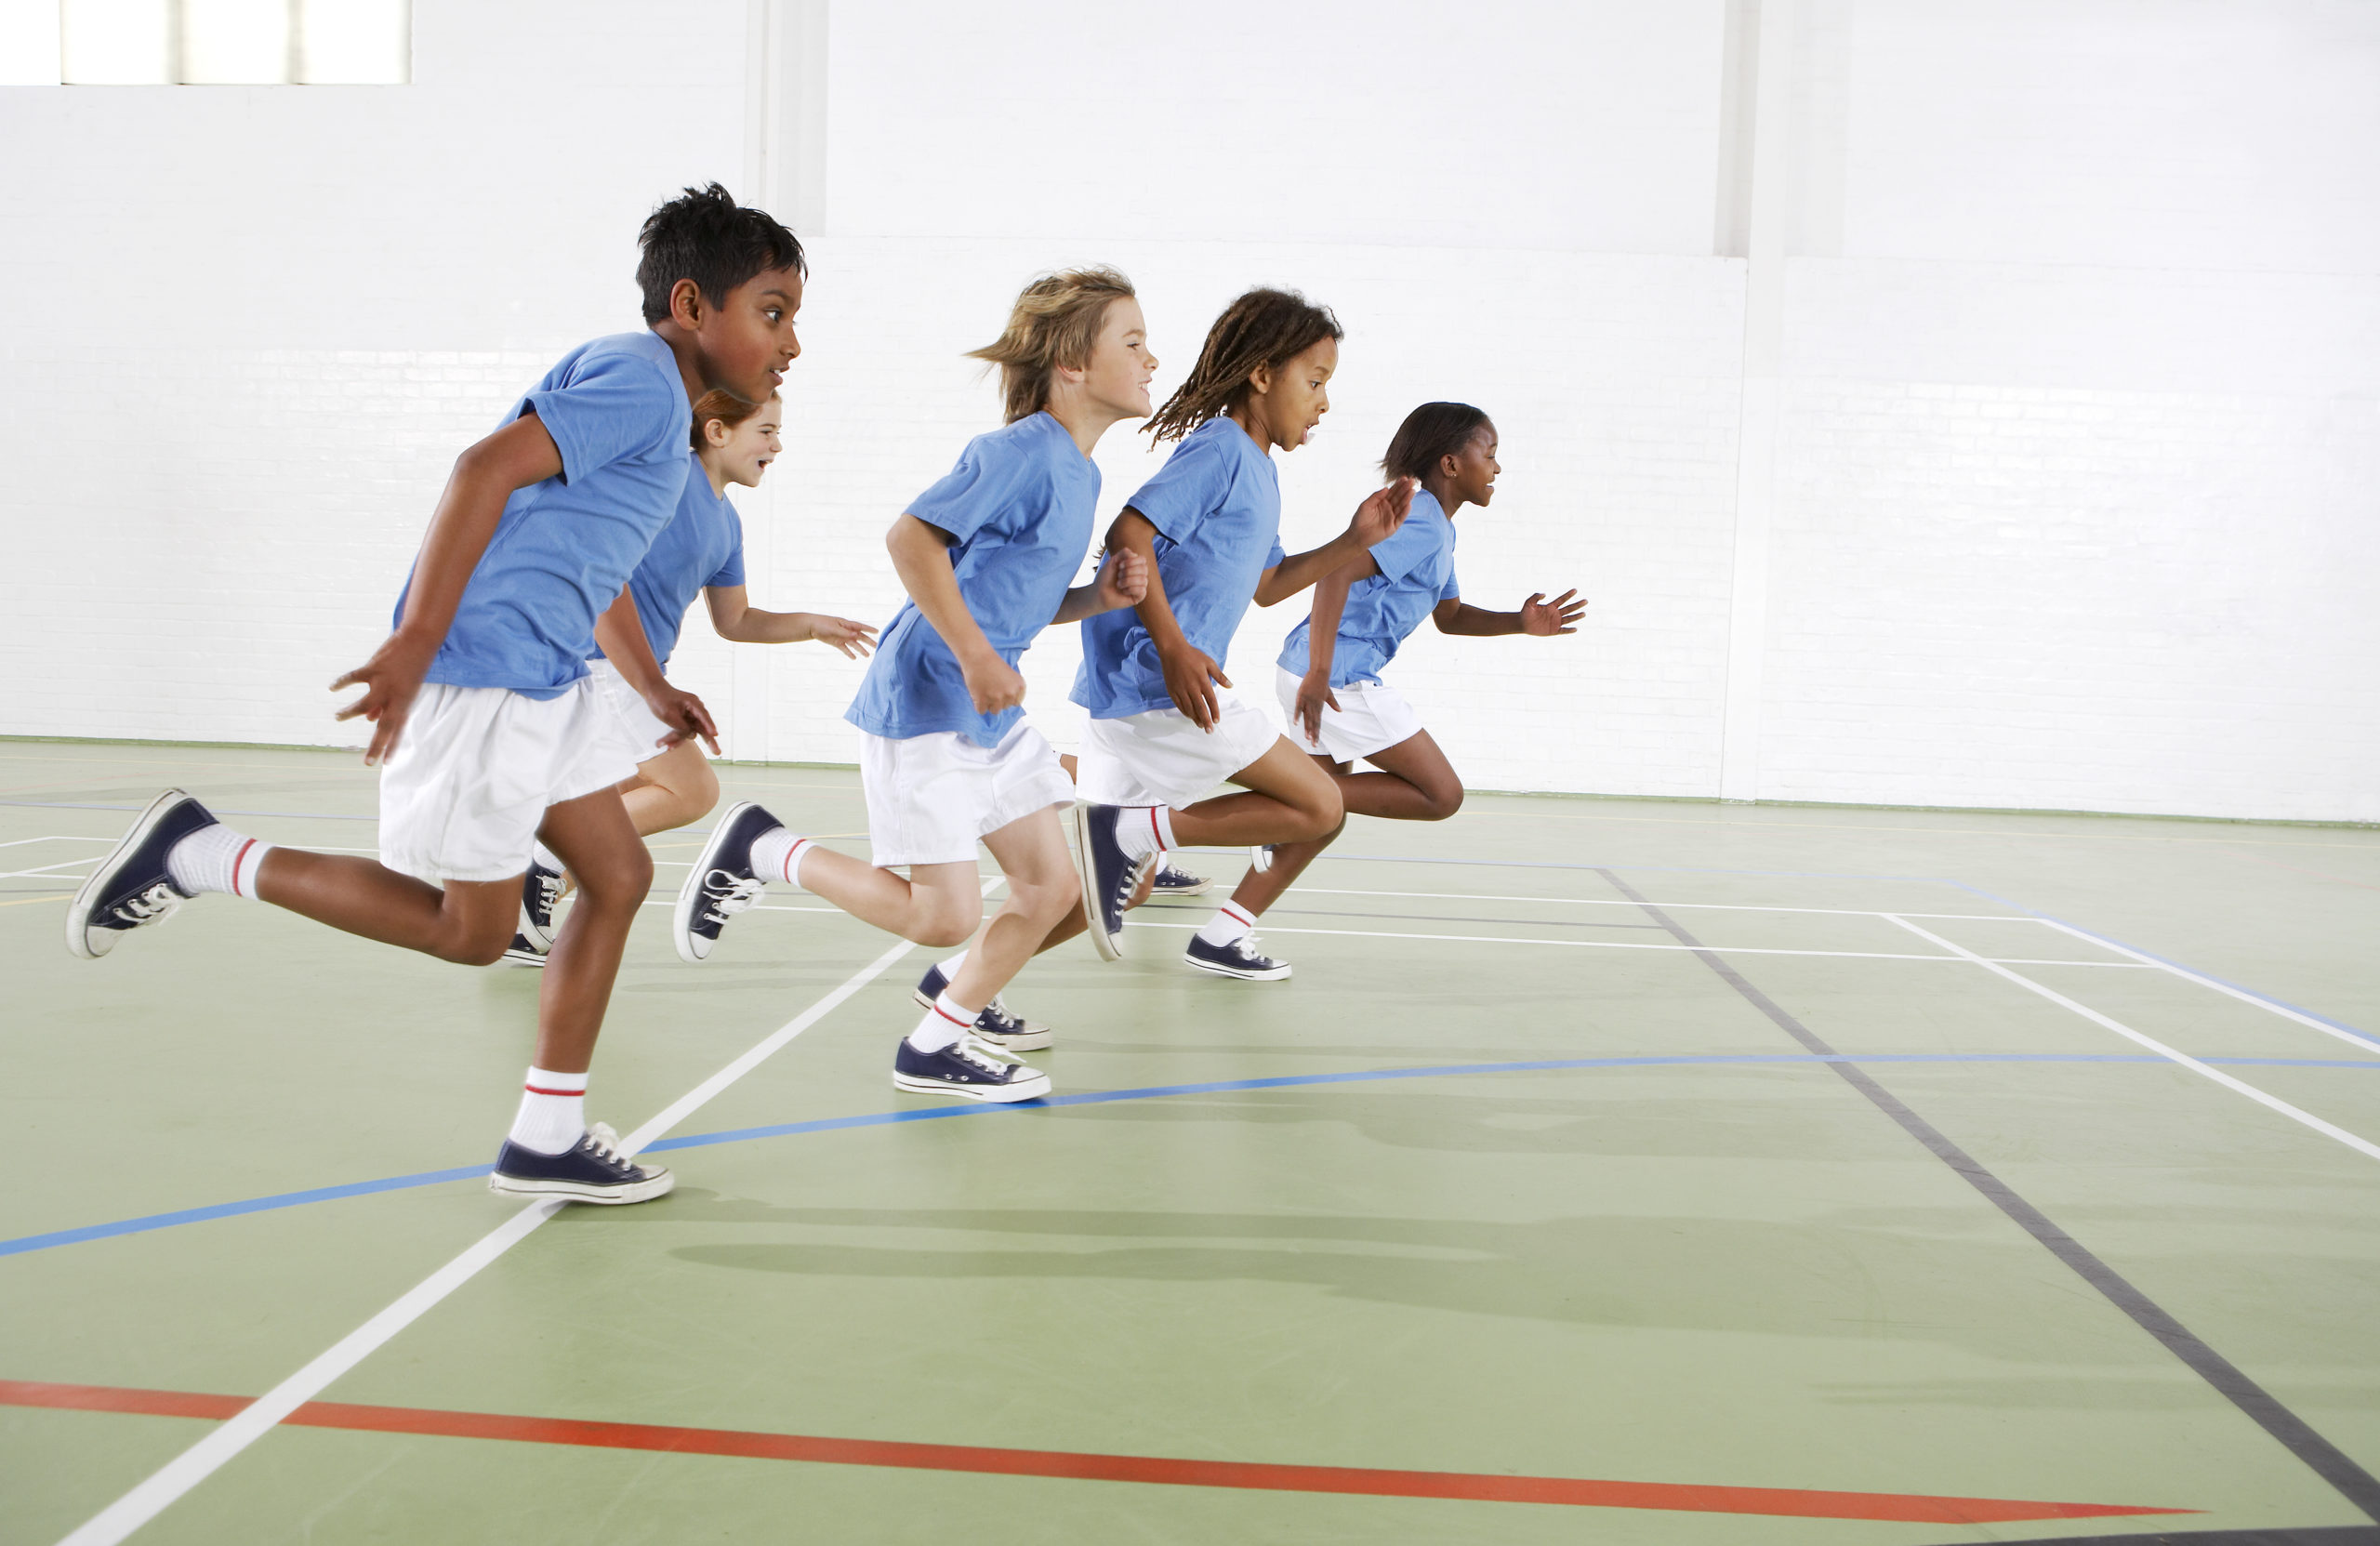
x: 1055, y: 322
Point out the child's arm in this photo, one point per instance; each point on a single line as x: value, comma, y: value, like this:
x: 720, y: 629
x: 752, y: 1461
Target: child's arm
x: 484, y: 477
x: 739, y: 622
x: 1322, y: 641
x: 1122, y: 582
x: 921, y: 558
x: 1190, y: 672
x: 1537, y: 615
x: 619, y: 633
x: 1375, y: 520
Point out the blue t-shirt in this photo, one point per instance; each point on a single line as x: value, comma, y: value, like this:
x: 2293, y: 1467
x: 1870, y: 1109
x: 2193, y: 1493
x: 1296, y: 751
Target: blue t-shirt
x: 1018, y: 508
x: 1216, y: 504
x: 702, y: 546
x: 1416, y: 572
x: 616, y: 409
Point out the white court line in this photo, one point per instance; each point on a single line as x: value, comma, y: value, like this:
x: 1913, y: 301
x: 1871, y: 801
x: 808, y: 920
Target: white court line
x: 53, y: 837
x: 62, y: 863
x: 201, y: 1460
x: 2223, y: 988
x: 2362, y: 1146
x: 1625, y: 944
x: 1615, y: 902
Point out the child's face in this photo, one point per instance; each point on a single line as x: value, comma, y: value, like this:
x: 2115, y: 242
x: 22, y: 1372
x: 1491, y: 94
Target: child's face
x: 1293, y: 399
x: 1470, y: 472
x: 746, y: 345
x: 741, y: 455
x: 1117, y: 375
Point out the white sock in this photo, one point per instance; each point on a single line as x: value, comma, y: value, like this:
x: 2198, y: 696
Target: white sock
x: 217, y: 859
x: 777, y: 855
x: 1231, y: 922
x: 553, y: 1111
x: 544, y: 859
x: 942, y: 1026
x: 949, y: 969
x: 1142, y: 830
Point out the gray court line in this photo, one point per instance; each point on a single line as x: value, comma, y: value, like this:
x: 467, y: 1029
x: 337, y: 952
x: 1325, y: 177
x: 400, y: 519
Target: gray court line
x: 2261, y: 1406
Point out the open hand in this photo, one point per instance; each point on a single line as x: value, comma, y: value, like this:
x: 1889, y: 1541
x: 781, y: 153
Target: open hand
x: 992, y: 684
x: 1379, y: 516
x: 855, y: 639
x: 1314, y: 694
x: 1123, y: 580
x: 1558, y: 616
x: 685, y: 716
x: 389, y: 680
x: 1190, y: 678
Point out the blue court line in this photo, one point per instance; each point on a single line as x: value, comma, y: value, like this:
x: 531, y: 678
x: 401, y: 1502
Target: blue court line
x: 26, y: 1243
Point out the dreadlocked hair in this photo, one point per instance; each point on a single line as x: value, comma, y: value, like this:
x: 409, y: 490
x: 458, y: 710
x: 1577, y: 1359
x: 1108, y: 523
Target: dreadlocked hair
x: 1262, y: 328
x: 1054, y: 323
x: 1428, y: 432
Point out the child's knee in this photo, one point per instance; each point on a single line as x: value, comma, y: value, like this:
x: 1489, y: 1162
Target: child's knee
x: 1444, y: 803
x: 481, y: 944
x: 700, y: 793
x: 1324, y: 812
x: 621, y: 879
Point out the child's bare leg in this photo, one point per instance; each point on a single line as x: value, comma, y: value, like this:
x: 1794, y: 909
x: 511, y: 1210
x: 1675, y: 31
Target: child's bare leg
x: 1417, y: 783
x: 670, y: 790
x: 594, y: 836
x: 1043, y: 894
x: 938, y: 905
x: 1289, y: 801
x: 469, y: 922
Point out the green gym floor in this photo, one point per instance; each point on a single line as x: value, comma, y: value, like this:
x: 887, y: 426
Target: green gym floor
x: 1611, y: 1171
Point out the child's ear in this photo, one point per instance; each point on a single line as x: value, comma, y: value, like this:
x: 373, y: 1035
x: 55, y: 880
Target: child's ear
x: 716, y: 434
x: 1260, y: 380
x: 686, y: 304
x: 1449, y: 464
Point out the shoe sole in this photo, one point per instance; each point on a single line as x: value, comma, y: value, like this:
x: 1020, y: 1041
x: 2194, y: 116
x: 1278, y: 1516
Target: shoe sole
x: 1087, y: 871
x: 1201, y: 889
x: 524, y: 958
x: 682, y: 917
x: 910, y: 1085
x: 1213, y: 969
x: 78, y: 912
x: 579, y: 1191
x: 1030, y: 1042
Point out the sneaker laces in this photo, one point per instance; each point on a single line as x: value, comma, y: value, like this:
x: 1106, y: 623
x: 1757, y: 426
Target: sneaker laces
x: 730, y: 894
x: 1246, y: 945
x: 148, y: 905
x: 603, y: 1145
x: 982, y: 1054
x: 549, y: 889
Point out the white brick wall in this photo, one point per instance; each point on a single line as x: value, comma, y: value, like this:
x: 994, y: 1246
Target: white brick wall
x: 2082, y: 420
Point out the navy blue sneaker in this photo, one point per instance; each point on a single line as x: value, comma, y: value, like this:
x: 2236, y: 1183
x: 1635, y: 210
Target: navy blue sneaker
x: 721, y: 883
x: 1171, y: 882
x: 1240, y: 959
x: 131, y: 888
x: 593, y: 1170
x: 524, y: 951
x: 540, y: 894
x: 968, y: 1070
x: 1009, y: 1032
x: 1108, y: 877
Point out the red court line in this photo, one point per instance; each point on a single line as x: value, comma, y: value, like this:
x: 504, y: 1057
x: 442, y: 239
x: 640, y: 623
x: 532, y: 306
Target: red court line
x: 1792, y: 1501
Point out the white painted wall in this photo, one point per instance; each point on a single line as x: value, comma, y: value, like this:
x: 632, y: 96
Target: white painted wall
x: 2079, y: 413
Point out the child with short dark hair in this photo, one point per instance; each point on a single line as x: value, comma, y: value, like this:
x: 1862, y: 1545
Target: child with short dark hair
x: 701, y: 549
x: 1329, y: 671
x: 949, y: 759
x: 487, y: 727
x: 1208, y: 525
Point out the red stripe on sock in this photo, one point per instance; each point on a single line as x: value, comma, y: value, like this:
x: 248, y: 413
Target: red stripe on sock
x: 793, y: 860
x: 1257, y: 1475
x: 1156, y: 835
x: 535, y: 1090
x: 236, y: 859
x: 963, y: 1024
x: 1240, y: 913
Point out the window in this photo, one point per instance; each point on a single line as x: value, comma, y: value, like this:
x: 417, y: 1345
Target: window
x: 208, y: 42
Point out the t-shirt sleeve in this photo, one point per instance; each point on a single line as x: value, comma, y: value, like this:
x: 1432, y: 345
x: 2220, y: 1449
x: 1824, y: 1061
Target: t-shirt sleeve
x: 985, y: 482
x: 1405, y: 550
x: 731, y: 571
x: 615, y: 406
x: 1275, y: 554
x: 1449, y: 591
x: 1186, y: 490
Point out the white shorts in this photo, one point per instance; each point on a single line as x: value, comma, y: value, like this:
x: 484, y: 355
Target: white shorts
x: 1162, y: 758
x: 1370, y: 716
x: 638, y: 730
x: 463, y: 795
x: 932, y: 797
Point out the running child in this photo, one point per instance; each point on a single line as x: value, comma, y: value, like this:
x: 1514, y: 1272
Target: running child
x: 1329, y: 671
x: 949, y: 759
x: 701, y: 549
x: 489, y: 733
x: 1208, y: 525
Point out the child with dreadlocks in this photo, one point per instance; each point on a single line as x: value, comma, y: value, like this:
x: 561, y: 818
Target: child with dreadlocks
x: 1328, y: 673
x: 949, y: 759
x: 1208, y: 525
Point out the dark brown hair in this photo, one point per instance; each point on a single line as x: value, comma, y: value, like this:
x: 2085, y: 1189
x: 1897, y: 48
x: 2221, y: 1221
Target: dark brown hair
x: 1429, y: 431
x: 1054, y: 323
x: 1262, y: 328
x: 705, y: 235
x: 721, y: 404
